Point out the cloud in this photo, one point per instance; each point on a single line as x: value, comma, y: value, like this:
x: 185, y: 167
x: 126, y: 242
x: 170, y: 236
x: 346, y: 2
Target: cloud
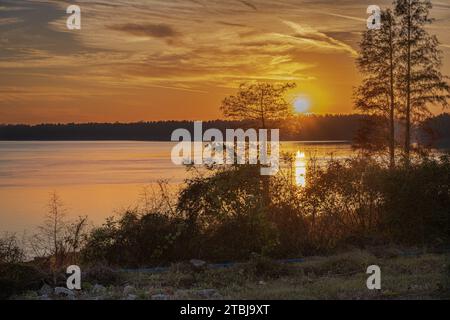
x: 316, y: 40
x: 190, y: 47
x: 231, y: 24
x: 344, y: 16
x: 9, y: 21
x: 147, y: 30
x: 248, y: 4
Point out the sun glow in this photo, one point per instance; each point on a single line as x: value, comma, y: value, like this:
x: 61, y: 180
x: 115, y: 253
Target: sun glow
x: 302, y: 104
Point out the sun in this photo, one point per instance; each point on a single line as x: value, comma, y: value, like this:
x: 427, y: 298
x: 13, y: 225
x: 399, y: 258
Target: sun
x: 302, y: 104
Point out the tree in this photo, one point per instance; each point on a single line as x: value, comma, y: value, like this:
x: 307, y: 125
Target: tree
x: 58, y: 238
x: 53, y: 227
x: 261, y: 102
x: 376, y: 95
x: 418, y: 79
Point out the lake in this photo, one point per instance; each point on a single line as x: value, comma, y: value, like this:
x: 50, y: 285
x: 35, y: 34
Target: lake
x: 100, y: 178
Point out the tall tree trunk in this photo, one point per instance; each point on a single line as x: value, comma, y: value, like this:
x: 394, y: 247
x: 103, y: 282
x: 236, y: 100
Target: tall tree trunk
x: 264, y: 179
x: 392, y: 103
x: 408, y: 91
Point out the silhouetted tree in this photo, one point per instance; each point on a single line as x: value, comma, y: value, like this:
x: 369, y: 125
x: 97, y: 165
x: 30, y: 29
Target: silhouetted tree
x: 376, y: 95
x: 260, y: 101
x: 419, y: 59
x: 58, y: 238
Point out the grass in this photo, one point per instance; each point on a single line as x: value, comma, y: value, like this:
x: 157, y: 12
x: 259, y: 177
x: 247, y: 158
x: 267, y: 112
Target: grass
x: 341, y: 276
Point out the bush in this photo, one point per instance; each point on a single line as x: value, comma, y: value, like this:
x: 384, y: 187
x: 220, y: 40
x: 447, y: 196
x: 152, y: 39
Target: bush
x: 10, y: 249
x: 263, y: 267
x: 340, y: 264
x: 18, y: 278
x: 222, y: 215
x: 101, y: 274
x: 134, y: 240
x: 225, y: 216
x: 362, y: 202
x: 416, y: 203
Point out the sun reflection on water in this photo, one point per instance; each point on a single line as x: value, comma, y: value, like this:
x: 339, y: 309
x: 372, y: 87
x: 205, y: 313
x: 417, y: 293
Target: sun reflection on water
x: 300, y: 169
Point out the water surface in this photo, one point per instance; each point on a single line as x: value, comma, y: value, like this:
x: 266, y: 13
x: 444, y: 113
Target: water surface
x: 99, y: 178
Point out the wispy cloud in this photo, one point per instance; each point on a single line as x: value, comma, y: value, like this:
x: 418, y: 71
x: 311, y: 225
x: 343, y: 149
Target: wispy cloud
x: 194, y: 50
x: 317, y: 40
x: 9, y: 21
x: 147, y: 30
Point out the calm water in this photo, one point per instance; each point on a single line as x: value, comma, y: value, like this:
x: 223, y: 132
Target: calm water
x: 99, y: 178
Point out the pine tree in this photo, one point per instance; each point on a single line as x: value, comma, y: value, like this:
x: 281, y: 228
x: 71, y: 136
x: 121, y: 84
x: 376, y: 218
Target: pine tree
x: 419, y: 80
x: 376, y: 95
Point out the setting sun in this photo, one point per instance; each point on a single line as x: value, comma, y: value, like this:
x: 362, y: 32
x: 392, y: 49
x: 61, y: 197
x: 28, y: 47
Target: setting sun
x: 302, y: 104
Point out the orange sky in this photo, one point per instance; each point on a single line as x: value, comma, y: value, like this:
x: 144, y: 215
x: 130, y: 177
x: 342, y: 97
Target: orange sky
x: 145, y: 60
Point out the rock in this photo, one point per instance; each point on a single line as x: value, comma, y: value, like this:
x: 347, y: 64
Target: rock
x: 181, y: 294
x: 44, y: 297
x: 262, y: 283
x: 128, y: 290
x: 198, y: 264
x: 98, y: 289
x: 209, y: 294
x: 45, y: 290
x: 132, y: 297
x: 64, y: 292
x: 160, y: 297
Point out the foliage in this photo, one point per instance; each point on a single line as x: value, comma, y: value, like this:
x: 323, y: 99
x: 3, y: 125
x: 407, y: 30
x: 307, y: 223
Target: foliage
x: 101, y: 274
x: 261, y: 101
x: 11, y: 250
x: 376, y: 95
x: 135, y: 240
x: 16, y: 278
x: 220, y: 216
x: 400, y: 64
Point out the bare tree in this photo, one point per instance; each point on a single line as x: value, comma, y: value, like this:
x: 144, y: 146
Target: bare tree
x: 158, y: 199
x: 58, y: 238
x: 75, y: 237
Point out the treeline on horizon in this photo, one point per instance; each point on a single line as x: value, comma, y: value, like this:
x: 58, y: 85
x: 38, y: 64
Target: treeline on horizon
x: 302, y: 128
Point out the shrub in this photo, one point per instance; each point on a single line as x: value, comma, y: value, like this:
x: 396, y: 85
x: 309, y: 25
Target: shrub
x: 10, y: 249
x: 101, y: 274
x: 263, y: 267
x: 340, y: 264
x: 416, y: 203
x: 222, y: 215
x: 134, y: 240
x: 18, y: 278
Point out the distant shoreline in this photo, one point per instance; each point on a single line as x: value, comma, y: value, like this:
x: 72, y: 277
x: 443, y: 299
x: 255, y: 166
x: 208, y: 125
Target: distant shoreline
x: 163, y: 141
x: 312, y: 128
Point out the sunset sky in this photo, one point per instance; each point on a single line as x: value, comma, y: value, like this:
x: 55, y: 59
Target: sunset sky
x: 177, y: 59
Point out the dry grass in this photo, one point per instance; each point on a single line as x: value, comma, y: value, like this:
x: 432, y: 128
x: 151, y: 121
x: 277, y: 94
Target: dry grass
x: 340, y: 276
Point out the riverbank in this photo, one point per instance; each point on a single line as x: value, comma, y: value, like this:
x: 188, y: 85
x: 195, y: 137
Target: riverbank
x: 340, y: 276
